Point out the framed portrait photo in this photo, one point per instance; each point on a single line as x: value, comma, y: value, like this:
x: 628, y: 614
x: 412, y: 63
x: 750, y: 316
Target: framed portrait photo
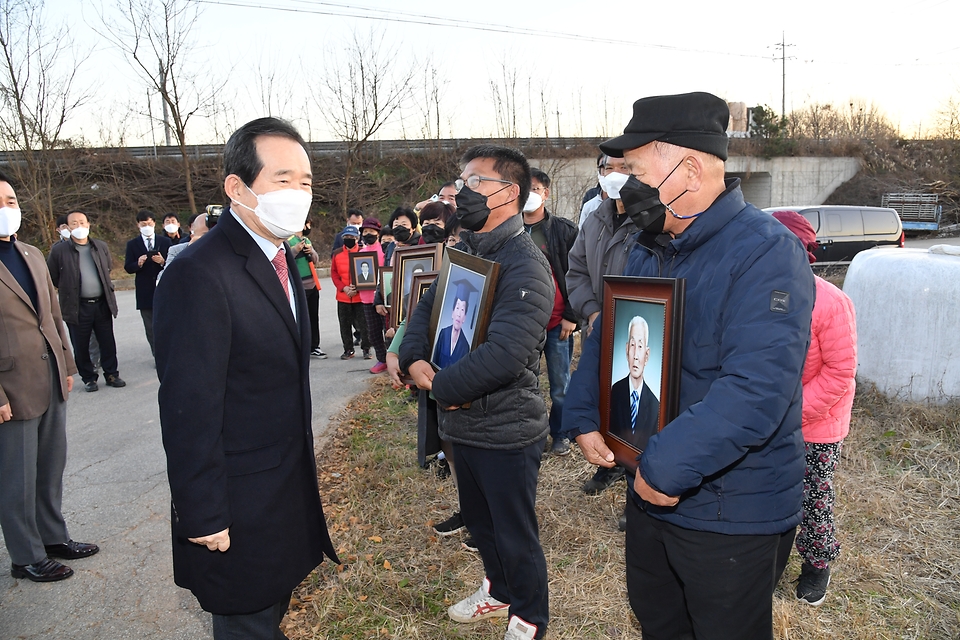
x: 407, y: 262
x: 639, y: 361
x: 462, y: 306
x: 364, y: 266
x: 386, y: 287
x: 421, y: 282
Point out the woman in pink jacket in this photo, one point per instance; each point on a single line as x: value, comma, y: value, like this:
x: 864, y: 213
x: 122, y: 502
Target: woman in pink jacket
x: 828, y: 387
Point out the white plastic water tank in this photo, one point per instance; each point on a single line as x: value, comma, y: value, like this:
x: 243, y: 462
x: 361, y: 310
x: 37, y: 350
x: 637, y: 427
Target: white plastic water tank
x: 908, y: 320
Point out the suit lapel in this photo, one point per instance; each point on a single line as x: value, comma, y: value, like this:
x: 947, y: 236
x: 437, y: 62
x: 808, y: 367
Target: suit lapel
x: 7, y: 278
x: 261, y: 270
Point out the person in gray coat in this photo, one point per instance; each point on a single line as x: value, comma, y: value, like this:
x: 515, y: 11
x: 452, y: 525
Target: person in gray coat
x: 602, y: 248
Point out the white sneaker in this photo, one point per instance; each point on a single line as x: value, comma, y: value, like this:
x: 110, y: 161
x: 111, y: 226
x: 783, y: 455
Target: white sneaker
x: 479, y: 606
x: 520, y: 629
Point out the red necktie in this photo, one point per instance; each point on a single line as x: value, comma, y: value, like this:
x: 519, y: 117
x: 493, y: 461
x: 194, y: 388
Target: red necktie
x: 280, y: 264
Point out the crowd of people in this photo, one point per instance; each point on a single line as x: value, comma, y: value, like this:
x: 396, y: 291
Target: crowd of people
x: 714, y: 497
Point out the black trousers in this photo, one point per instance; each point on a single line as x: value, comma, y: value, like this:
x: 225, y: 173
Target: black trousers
x: 313, y: 310
x: 262, y: 625
x: 498, y: 495
x: 696, y: 584
x: 351, y: 315
x: 374, y: 323
x: 147, y: 316
x: 94, y: 319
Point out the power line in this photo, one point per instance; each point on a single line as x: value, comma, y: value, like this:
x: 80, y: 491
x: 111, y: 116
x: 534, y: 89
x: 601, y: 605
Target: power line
x: 386, y: 15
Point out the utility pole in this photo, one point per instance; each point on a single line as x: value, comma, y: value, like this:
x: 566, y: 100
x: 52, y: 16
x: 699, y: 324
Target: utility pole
x: 163, y: 101
x: 782, y: 46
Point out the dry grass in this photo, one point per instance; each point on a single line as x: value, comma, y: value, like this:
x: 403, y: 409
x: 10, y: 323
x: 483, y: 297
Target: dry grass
x: 897, y: 510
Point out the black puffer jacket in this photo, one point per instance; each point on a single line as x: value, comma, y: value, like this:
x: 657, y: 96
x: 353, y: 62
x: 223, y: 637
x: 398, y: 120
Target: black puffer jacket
x: 498, y: 378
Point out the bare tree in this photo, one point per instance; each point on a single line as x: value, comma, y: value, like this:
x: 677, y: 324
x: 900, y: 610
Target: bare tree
x: 362, y: 89
x: 155, y: 36
x: 39, y: 69
x: 948, y: 120
x: 503, y: 91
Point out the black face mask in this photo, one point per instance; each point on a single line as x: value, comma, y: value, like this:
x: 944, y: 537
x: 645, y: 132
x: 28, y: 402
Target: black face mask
x: 350, y: 243
x: 472, y: 209
x: 432, y: 233
x: 642, y: 203
x: 370, y: 238
x: 306, y: 231
x: 402, y: 234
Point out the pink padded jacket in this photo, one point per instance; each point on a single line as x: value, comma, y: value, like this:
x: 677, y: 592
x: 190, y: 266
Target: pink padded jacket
x: 829, y: 375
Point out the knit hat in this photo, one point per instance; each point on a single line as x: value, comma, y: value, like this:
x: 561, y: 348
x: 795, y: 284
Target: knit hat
x: 801, y: 228
x: 371, y: 223
x: 693, y: 120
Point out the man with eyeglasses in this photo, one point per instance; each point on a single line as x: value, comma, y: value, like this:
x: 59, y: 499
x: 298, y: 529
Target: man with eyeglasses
x: 490, y: 407
x: 555, y: 237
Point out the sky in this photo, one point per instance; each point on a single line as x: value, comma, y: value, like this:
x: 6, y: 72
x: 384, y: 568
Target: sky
x: 579, y: 64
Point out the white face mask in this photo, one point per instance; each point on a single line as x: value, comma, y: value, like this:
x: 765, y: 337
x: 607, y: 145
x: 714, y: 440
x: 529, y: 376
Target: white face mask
x: 80, y: 232
x: 9, y: 221
x: 534, y: 201
x: 282, y: 212
x: 612, y: 183
x: 171, y: 228
x: 65, y: 234
x: 147, y: 232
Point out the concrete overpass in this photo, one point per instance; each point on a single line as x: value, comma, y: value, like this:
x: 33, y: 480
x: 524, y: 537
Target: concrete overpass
x: 766, y: 182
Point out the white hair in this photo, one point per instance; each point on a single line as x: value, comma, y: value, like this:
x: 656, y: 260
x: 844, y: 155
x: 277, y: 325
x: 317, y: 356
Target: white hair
x: 638, y: 320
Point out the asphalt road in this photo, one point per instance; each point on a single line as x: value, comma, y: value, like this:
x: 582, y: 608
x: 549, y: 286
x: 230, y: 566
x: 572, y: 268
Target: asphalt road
x: 115, y: 494
x: 926, y: 243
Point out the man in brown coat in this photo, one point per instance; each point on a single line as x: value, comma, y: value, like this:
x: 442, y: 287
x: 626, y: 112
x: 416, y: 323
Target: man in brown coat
x: 35, y: 379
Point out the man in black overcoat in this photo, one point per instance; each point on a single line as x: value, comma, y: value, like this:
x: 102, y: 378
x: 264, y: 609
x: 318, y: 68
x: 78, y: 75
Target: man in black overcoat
x: 146, y: 254
x: 235, y: 410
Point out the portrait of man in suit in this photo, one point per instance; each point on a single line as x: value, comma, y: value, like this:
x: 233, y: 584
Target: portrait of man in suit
x: 235, y: 410
x: 634, y: 409
x: 365, y: 275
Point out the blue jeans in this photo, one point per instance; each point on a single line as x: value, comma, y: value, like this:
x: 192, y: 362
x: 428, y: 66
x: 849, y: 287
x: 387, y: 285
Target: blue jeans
x: 558, y: 353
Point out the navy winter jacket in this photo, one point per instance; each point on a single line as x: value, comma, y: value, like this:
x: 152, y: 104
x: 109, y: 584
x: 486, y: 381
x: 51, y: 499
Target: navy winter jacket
x: 734, y: 454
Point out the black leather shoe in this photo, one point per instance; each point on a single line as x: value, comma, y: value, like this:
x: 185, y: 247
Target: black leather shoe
x: 71, y: 550
x: 602, y: 479
x: 46, y: 570
x: 91, y: 386
x: 115, y: 381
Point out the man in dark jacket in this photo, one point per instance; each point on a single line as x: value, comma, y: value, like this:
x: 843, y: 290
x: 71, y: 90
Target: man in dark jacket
x: 490, y: 407
x: 716, y: 487
x: 555, y: 237
x: 146, y: 255
x: 235, y: 413
x: 80, y: 269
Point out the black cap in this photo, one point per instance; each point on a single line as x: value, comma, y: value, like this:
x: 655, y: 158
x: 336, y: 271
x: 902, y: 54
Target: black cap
x: 693, y: 120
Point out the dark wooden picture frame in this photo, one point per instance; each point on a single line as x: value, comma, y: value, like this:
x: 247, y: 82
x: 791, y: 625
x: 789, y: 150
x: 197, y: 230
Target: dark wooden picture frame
x: 406, y: 260
x: 461, y: 275
x: 631, y: 307
x: 368, y: 257
x: 421, y: 282
x: 386, y: 288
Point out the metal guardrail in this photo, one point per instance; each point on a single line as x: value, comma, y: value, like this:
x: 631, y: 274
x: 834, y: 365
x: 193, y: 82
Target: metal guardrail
x: 379, y: 147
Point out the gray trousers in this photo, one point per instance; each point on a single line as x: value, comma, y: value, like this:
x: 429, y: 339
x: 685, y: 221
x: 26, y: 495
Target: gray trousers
x: 33, y: 454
